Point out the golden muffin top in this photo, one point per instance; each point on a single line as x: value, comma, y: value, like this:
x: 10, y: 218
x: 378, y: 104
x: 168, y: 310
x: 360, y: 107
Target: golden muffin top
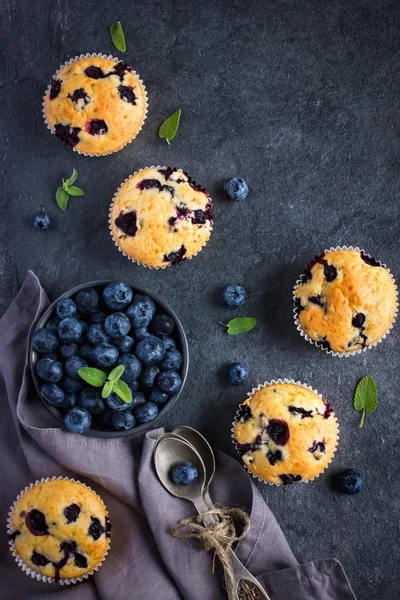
x: 286, y: 433
x: 161, y: 217
x: 60, y: 529
x: 96, y: 105
x: 346, y: 300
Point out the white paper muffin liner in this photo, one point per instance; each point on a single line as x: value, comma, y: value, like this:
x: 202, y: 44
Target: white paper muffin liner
x: 250, y: 395
x: 22, y: 564
x: 134, y: 260
x: 108, y: 57
x: 360, y: 350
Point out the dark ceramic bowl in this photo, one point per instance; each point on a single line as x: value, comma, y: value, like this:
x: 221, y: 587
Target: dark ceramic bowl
x: 178, y: 334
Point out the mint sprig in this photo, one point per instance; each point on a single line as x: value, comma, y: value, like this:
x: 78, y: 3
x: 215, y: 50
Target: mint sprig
x: 366, y: 397
x: 170, y: 126
x: 66, y: 190
x: 112, y: 383
x: 117, y: 36
x: 240, y: 325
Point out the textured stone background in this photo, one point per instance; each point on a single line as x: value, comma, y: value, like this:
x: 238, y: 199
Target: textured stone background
x: 302, y: 100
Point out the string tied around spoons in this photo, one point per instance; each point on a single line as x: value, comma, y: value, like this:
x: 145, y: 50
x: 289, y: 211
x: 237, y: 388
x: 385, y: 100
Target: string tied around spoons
x: 218, y: 537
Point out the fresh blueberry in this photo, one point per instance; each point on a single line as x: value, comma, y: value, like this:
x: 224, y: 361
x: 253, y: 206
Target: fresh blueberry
x: 157, y: 396
x: 49, y: 370
x: 350, y: 481
x: 132, y: 367
x: 87, y: 301
x: 134, y: 386
x: 145, y: 412
x: 71, y: 385
x: 237, y: 373
x: 150, y: 350
x: 185, y: 473
x: 68, y: 350
x: 117, y: 295
x: 82, y: 337
x: 114, y: 402
x: 105, y: 355
x: 169, y: 343
x: 52, y: 355
x: 70, y: 330
x: 117, y: 325
x: 138, y: 398
x: 124, y: 344
x: 44, y: 341
x: 169, y: 382
x: 41, y: 219
x: 141, y: 332
x: 162, y: 325
x: 97, y: 318
x: 96, y: 335
x: 72, y: 366
x: 141, y: 311
x: 66, y: 308
x: 148, y: 375
x: 87, y: 353
x: 172, y: 361
x: 77, y: 420
x: 53, y: 324
x: 70, y: 400
x: 90, y: 399
x: 122, y: 421
x: 233, y: 295
x: 236, y: 189
x: 52, y: 393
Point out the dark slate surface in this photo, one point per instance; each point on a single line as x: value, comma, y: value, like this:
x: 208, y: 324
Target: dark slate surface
x: 302, y: 100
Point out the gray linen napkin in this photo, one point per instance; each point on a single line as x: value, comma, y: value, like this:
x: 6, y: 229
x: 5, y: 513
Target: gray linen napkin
x: 145, y: 561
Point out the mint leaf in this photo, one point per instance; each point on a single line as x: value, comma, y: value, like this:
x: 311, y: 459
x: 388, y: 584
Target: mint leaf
x: 117, y: 36
x: 122, y: 390
x: 116, y: 373
x: 71, y: 179
x: 107, y: 389
x: 170, y: 126
x: 240, y: 325
x: 62, y: 198
x: 94, y: 377
x: 365, y: 397
x: 75, y: 191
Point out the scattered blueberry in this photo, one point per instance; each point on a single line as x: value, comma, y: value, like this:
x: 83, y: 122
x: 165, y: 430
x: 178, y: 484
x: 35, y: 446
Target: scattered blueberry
x: 44, y: 341
x: 148, y: 375
x: 141, y: 311
x: 150, y: 350
x: 172, y: 361
x: 87, y: 301
x: 157, y: 396
x: 52, y: 394
x: 123, y: 420
x: 132, y: 367
x: 49, y: 370
x: 68, y: 350
x: 53, y: 324
x: 91, y: 400
x: 117, y: 325
x: 124, y: 344
x: 350, y: 481
x: 234, y: 295
x: 105, y: 355
x: 66, y: 308
x: 185, y: 474
x: 72, y: 366
x: 169, y: 382
x: 41, y: 219
x: 237, y: 373
x: 96, y: 335
x: 162, y: 325
x: 114, y: 402
x: 236, y: 189
x: 77, y: 420
x: 141, y: 332
x: 145, y: 412
x: 70, y: 330
x: 71, y: 385
x: 117, y: 295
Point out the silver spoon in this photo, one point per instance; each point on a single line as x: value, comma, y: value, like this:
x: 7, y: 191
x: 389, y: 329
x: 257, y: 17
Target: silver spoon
x: 171, y: 451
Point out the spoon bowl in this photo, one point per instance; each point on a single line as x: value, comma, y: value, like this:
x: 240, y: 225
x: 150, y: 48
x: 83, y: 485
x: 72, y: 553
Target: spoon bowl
x: 202, y: 447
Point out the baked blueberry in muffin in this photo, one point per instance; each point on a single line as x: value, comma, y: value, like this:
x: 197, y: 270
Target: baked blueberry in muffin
x: 96, y: 105
x: 345, y: 300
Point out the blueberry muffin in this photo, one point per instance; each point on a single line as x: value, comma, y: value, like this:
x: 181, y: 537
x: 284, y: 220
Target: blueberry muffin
x: 60, y: 529
x: 96, y: 105
x: 345, y: 300
x: 286, y: 433
x: 160, y: 217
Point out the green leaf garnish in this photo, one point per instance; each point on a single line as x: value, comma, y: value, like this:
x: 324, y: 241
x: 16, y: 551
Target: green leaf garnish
x: 71, y: 179
x: 366, y: 397
x: 170, y: 126
x: 94, y: 377
x: 75, y: 191
x: 116, y: 373
x: 117, y: 36
x: 122, y: 390
x: 62, y: 198
x: 240, y: 325
x: 107, y: 389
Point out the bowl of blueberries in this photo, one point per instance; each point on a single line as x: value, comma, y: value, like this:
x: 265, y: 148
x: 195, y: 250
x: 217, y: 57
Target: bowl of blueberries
x: 94, y: 329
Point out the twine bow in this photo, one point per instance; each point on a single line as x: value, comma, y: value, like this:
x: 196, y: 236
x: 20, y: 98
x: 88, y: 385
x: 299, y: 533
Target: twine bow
x: 218, y: 537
